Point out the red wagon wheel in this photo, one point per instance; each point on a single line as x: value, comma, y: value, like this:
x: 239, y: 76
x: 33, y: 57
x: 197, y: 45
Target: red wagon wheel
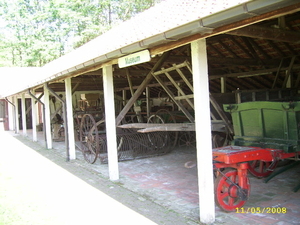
x: 228, y: 194
x: 260, y: 169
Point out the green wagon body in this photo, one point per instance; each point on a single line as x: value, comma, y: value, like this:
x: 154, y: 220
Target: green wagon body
x: 266, y: 124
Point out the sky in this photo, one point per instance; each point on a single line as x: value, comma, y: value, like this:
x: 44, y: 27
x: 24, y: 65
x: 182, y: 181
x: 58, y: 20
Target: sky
x: 17, y: 78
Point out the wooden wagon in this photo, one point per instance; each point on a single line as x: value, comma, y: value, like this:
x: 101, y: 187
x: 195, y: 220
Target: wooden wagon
x: 265, y: 134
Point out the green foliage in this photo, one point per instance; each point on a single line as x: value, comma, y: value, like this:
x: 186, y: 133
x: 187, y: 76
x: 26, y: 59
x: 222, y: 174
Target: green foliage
x: 35, y: 32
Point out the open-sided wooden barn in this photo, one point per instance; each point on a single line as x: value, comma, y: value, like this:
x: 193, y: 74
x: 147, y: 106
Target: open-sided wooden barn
x: 188, y: 57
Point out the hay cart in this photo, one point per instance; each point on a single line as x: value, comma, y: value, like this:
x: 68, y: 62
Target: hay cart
x: 265, y: 133
x: 130, y: 143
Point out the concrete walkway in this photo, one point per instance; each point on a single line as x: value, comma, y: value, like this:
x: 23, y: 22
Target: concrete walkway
x: 35, y: 191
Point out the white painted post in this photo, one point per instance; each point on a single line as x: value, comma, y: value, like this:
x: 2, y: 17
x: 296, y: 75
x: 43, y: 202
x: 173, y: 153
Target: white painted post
x: 70, y: 124
x: 47, y: 118
x: 17, y: 114
x: 203, y: 131
x: 110, y: 121
x: 23, y: 108
x: 34, y: 118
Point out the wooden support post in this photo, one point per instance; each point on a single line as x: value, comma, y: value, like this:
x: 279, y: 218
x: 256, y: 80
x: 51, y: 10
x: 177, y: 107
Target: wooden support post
x: 289, y: 79
x: 137, y: 109
x: 110, y: 122
x: 277, y: 74
x: 47, y: 120
x: 287, y: 83
x: 179, y: 96
x: 297, y: 81
x: 70, y: 120
x: 23, y: 108
x: 238, y: 97
x: 17, y: 124
x: 148, y: 101
x: 124, y: 97
x: 34, y: 119
x: 11, y: 113
x: 75, y: 87
x: 203, y: 131
x: 223, y: 84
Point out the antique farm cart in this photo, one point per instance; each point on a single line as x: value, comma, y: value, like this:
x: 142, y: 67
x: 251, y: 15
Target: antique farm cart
x: 265, y: 133
x: 130, y: 143
x: 91, y: 130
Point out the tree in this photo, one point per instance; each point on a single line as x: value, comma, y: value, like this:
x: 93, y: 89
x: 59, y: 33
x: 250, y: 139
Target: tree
x: 35, y: 32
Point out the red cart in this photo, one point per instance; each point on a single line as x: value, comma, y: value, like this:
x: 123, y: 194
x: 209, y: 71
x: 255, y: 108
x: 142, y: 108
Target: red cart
x: 265, y: 133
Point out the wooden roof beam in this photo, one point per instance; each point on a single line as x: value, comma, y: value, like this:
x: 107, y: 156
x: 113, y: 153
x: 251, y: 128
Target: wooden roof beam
x: 252, y: 73
x: 276, y: 48
x: 259, y: 49
x: 250, y: 47
x: 242, y: 62
x: 268, y: 33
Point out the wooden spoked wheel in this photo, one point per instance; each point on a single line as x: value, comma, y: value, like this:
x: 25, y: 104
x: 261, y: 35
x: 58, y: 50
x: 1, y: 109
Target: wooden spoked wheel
x: 260, y: 169
x: 89, y: 138
x: 228, y: 193
x: 165, y: 116
x: 187, y: 139
x: 157, y: 139
x: 218, y: 140
x: 100, y: 130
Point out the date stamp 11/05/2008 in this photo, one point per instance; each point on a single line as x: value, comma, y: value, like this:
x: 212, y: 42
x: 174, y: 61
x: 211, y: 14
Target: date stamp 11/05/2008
x: 270, y: 210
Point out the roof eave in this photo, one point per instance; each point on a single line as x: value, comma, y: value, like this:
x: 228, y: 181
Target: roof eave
x: 203, y: 25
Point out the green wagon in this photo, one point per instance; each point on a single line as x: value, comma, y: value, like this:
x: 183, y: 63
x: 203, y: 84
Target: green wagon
x: 264, y: 133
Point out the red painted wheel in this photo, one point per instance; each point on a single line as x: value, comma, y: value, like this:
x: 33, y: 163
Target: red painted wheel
x: 228, y: 194
x: 260, y: 169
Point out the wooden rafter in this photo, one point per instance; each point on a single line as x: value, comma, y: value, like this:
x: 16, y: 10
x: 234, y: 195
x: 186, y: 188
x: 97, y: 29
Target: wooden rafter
x: 269, y: 33
x: 241, y: 47
x: 252, y: 73
x: 259, y: 49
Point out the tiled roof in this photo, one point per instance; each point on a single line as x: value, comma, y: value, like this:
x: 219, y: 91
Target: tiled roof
x: 143, y: 30
x: 165, y: 16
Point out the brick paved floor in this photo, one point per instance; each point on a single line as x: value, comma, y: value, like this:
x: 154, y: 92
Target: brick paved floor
x: 165, y: 181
